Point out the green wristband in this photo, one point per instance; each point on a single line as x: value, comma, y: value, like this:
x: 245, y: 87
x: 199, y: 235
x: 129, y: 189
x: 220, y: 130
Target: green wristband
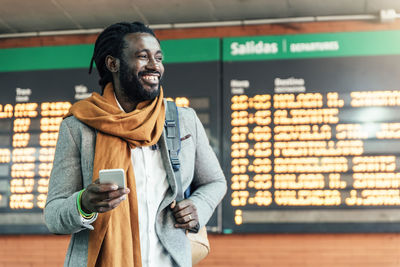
x: 78, y: 203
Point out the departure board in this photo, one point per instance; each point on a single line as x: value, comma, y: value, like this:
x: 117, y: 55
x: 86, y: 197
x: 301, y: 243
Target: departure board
x: 32, y: 107
x: 307, y: 127
x: 34, y: 102
x: 312, y: 127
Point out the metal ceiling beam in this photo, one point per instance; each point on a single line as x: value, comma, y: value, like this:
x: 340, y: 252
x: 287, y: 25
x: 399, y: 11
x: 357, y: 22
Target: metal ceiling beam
x: 394, y: 16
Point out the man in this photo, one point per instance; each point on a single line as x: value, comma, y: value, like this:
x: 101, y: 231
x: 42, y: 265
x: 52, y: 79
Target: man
x: 141, y: 225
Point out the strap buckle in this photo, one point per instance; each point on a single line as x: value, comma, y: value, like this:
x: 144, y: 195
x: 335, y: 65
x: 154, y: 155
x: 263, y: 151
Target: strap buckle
x: 176, y: 164
x: 170, y: 127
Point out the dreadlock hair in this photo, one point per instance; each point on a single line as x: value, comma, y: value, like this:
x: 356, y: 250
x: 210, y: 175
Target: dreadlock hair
x: 111, y: 42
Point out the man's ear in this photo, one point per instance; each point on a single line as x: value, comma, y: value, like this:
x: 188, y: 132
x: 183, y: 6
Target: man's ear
x: 112, y: 63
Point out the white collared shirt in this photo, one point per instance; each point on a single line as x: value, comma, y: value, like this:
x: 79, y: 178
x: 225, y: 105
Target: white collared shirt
x: 152, y: 185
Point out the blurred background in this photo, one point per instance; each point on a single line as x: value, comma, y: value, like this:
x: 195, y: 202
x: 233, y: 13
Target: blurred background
x: 300, y: 100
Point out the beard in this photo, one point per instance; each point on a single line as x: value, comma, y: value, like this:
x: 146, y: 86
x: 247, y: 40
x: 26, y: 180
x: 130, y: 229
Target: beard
x: 132, y: 87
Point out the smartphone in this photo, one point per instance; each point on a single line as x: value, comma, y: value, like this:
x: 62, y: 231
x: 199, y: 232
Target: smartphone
x: 113, y: 176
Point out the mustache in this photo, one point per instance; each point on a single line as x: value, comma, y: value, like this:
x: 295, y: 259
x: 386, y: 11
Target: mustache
x: 149, y: 72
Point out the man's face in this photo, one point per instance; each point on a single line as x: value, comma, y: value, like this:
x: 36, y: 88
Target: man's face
x: 141, y: 67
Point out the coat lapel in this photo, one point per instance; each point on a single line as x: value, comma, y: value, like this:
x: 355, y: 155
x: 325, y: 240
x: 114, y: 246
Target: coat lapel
x: 172, y: 192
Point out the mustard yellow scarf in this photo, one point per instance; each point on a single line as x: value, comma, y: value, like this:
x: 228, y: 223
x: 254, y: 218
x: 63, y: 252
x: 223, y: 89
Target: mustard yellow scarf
x: 115, y: 239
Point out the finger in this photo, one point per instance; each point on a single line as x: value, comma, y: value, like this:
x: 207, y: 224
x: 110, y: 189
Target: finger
x: 183, y: 213
x: 105, y: 206
x: 110, y: 195
x: 99, y: 188
x: 187, y: 226
x: 185, y: 207
x: 173, y: 204
x: 182, y: 205
x: 185, y: 219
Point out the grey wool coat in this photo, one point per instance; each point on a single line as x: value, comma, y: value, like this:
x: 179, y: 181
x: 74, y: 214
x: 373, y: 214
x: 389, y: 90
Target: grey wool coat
x: 73, y: 170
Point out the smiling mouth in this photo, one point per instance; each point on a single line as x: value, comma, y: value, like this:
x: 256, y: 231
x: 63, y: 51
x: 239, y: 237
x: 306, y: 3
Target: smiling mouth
x: 151, y: 79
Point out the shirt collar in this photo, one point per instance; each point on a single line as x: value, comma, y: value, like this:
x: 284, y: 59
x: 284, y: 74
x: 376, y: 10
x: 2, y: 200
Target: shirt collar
x: 119, y: 105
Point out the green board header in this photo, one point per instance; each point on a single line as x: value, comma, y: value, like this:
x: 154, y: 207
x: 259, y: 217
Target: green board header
x: 191, y: 50
x: 311, y: 45
x: 208, y: 49
x: 48, y: 57
x: 79, y: 56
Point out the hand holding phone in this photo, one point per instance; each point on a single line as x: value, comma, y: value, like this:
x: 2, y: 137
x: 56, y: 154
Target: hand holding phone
x: 106, y: 193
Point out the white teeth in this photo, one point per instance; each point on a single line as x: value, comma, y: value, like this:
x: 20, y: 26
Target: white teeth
x: 154, y: 78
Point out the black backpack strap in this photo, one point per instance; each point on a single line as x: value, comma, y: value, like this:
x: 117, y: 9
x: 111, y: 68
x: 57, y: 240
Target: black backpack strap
x: 174, y: 143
